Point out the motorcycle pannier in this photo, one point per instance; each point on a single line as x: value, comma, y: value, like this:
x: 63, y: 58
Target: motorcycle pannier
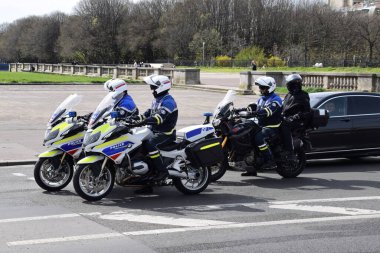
x: 319, y: 117
x: 206, y: 152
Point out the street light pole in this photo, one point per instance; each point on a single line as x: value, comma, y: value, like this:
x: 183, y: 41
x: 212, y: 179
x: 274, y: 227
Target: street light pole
x: 203, y: 53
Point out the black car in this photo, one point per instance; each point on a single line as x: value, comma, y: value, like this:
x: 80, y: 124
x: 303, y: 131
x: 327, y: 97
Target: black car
x: 353, y: 129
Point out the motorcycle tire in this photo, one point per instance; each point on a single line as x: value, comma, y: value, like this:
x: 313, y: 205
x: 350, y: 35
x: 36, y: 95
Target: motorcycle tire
x: 218, y: 170
x: 193, y: 186
x: 294, y: 172
x: 89, y: 186
x: 50, y: 179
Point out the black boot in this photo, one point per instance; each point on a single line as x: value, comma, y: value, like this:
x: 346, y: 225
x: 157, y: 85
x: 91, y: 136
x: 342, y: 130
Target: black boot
x: 250, y: 172
x: 161, y: 171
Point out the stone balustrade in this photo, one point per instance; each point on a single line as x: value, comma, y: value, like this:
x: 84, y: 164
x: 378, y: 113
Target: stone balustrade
x: 325, y: 80
x: 179, y: 76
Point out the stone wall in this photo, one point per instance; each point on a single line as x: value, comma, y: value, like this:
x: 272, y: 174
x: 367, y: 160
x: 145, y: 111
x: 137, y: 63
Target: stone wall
x: 328, y: 80
x: 179, y: 76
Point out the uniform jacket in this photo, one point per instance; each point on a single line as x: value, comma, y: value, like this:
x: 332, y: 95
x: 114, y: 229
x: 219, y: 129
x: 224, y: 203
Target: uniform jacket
x: 126, y: 106
x: 269, y: 110
x: 162, y: 115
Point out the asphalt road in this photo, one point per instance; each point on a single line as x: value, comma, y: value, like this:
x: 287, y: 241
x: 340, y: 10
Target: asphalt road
x: 334, y: 206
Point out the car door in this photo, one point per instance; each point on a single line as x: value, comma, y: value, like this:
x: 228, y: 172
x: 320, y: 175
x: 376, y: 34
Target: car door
x: 336, y: 135
x: 364, y: 111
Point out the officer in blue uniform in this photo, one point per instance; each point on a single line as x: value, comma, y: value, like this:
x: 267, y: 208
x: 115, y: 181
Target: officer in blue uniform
x: 124, y: 105
x: 162, y: 117
x: 268, y: 113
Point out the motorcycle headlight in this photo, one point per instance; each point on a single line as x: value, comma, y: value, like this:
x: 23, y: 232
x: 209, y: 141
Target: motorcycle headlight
x: 91, y: 138
x: 51, y: 135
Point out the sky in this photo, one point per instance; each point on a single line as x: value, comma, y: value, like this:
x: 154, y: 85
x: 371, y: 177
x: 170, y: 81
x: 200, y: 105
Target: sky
x: 11, y: 10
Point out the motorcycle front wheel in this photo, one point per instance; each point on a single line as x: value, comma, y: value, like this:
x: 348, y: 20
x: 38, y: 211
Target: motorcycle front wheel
x: 193, y: 186
x: 52, y: 175
x: 288, y: 169
x: 92, y: 184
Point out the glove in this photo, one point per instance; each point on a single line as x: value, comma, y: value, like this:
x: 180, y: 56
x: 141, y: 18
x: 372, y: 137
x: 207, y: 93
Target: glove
x: 137, y: 117
x: 237, y: 110
x: 139, y: 123
x: 253, y: 114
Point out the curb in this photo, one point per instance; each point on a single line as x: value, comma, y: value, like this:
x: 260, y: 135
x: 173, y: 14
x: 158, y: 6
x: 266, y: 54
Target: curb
x: 21, y: 162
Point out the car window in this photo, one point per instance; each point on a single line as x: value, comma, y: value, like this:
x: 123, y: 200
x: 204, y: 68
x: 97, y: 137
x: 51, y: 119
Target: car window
x: 363, y: 105
x: 336, y: 106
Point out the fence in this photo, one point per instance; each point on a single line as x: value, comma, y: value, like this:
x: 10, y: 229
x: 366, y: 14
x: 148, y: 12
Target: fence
x: 178, y: 76
x: 335, y: 81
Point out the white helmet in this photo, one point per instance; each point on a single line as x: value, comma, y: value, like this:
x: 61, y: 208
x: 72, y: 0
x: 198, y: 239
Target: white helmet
x: 158, y: 83
x: 115, y: 85
x: 266, y: 81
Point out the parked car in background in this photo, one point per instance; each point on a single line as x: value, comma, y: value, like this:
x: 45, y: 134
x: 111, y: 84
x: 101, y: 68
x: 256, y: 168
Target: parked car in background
x: 353, y: 129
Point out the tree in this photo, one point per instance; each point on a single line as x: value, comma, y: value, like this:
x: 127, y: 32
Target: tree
x: 101, y: 20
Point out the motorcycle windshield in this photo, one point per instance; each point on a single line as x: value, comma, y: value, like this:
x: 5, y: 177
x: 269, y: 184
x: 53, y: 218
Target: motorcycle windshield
x: 103, y: 110
x: 65, y: 107
x: 224, y: 105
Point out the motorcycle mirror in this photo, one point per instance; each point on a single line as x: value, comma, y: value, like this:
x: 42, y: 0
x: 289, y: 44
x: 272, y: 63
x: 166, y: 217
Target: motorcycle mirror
x: 207, y: 114
x: 72, y: 114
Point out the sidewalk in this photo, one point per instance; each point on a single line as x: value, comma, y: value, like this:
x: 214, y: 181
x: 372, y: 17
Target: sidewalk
x: 21, y: 138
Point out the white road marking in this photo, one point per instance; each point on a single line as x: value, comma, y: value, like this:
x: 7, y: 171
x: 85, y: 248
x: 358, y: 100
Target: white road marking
x: 324, y: 200
x: 208, y: 207
x: 164, y: 220
x: 31, y: 179
x: 188, y: 229
x: 253, y: 224
x: 59, y: 216
x: 64, y: 239
x: 326, y: 209
x: 18, y: 174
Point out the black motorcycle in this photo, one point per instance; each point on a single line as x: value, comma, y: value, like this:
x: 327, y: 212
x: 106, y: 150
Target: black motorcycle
x: 241, y: 151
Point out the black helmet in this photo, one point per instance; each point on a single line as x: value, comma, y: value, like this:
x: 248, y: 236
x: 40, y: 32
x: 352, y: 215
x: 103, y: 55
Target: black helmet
x: 293, y: 83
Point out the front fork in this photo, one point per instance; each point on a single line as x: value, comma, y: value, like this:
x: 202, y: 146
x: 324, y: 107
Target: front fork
x: 102, y: 168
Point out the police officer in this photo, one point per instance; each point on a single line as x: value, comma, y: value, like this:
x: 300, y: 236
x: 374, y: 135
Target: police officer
x: 124, y: 103
x: 295, y: 112
x: 268, y: 113
x: 162, y: 117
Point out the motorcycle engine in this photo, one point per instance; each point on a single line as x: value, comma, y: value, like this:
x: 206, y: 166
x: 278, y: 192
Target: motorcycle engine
x: 140, y: 167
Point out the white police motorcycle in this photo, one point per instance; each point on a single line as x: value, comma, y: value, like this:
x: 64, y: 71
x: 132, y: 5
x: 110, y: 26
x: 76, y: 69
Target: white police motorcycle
x: 115, y: 154
x: 64, y: 137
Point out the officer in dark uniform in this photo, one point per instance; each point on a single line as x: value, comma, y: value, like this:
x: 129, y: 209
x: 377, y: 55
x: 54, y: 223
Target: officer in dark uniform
x: 162, y: 117
x: 295, y: 112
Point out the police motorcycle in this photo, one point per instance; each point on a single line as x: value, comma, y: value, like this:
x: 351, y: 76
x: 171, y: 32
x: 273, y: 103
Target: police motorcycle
x: 115, y: 154
x: 63, y: 138
x: 240, y: 149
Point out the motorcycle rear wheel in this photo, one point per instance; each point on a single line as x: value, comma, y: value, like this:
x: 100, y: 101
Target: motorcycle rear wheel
x: 51, y: 179
x: 89, y: 185
x: 218, y: 170
x: 292, y: 172
x: 193, y: 186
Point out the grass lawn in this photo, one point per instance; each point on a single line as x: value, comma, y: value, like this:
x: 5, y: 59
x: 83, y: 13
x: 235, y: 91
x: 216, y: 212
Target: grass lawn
x: 27, y: 77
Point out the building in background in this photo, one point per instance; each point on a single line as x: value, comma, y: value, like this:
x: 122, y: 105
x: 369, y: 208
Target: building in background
x: 368, y: 6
